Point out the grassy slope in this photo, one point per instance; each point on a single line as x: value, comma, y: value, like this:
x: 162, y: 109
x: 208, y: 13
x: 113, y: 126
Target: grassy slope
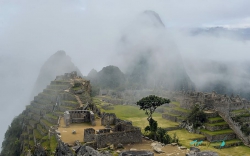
x: 139, y: 119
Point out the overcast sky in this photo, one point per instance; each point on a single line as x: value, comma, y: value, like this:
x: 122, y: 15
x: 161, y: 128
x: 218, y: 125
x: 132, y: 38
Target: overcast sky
x: 32, y: 30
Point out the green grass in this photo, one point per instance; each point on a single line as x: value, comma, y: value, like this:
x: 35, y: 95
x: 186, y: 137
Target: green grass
x: 46, y: 122
x: 96, y: 101
x: 46, y: 145
x: 76, y: 88
x: 239, y: 111
x: 217, y: 124
x: 172, y: 114
x: 138, y: 117
x: 37, y: 134
x: 61, y: 113
x: 226, y: 131
x: 31, y: 143
x: 215, y: 119
x: 41, y: 128
x: 72, y: 102
x: 52, y: 116
x: 175, y: 103
x: 182, y: 110
x: 53, y: 143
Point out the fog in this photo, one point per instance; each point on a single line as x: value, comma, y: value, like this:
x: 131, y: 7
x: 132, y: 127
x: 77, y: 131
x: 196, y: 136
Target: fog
x: 89, y: 32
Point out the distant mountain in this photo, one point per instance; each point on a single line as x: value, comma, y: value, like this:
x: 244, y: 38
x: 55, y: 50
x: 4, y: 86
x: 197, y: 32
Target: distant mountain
x: 236, y: 33
x: 150, y: 57
x: 109, y: 77
x: 58, y: 64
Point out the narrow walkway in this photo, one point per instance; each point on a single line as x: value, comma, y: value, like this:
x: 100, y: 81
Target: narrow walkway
x: 79, y: 100
x: 236, y: 129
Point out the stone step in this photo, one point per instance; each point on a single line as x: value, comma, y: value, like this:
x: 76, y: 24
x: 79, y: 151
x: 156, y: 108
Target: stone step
x: 42, y: 106
x: 46, y: 124
x: 52, y: 91
x: 215, y: 120
x: 67, y: 97
x: 58, y: 113
x: 36, y: 117
x: 211, y: 114
x: 216, y: 126
x: 180, y: 112
x: 212, y: 136
x: 41, y: 129
x: 33, y: 123
x: 35, y: 110
x: 49, y: 97
x: 37, y: 134
x: 60, y: 83
x: 172, y: 117
x: 58, y: 87
x: 51, y: 118
x: 64, y: 108
x: 70, y: 103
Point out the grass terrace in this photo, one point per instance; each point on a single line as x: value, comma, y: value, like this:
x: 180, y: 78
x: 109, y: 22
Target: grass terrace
x: 37, y: 134
x: 217, y: 124
x: 46, y: 122
x: 226, y: 131
x: 138, y: 117
x: 51, y: 116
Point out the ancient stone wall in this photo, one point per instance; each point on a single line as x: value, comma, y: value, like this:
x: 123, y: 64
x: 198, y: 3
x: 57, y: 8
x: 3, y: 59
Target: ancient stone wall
x: 216, y: 128
x: 118, y: 137
x: 213, y: 138
x: 89, y: 135
x: 108, y: 119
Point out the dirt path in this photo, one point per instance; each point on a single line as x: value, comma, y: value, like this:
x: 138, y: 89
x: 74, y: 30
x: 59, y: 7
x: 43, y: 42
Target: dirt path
x: 79, y: 100
x: 68, y: 137
x: 66, y: 132
x: 146, y: 145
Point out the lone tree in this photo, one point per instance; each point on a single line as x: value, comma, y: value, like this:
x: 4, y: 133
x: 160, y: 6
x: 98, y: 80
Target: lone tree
x: 150, y: 103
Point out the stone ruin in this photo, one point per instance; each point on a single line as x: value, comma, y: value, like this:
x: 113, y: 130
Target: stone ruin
x: 122, y: 132
x: 211, y: 100
x: 79, y: 116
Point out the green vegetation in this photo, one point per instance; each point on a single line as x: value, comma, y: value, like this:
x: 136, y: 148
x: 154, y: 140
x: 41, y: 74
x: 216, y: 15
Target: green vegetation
x: 149, y: 104
x: 217, y: 124
x: 215, y: 119
x: 51, y: 116
x: 53, y: 143
x: 46, y: 122
x: 197, y: 116
x: 246, y: 129
x: 41, y: 128
x: 11, y: 138
x: 138, y: 117
x: 37, y: 135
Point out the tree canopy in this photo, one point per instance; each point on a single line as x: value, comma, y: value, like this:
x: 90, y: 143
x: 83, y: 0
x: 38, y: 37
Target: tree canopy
x: 150, y: 103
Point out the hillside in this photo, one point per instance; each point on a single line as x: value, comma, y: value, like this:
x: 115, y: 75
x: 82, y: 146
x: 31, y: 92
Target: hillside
x: 36, y: 123
x: 150, y: 58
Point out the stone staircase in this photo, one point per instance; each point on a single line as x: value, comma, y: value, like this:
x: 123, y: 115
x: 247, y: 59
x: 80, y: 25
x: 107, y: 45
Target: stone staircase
x: 218, y: 130
x: 41, y: 114
x: 234, y: 126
